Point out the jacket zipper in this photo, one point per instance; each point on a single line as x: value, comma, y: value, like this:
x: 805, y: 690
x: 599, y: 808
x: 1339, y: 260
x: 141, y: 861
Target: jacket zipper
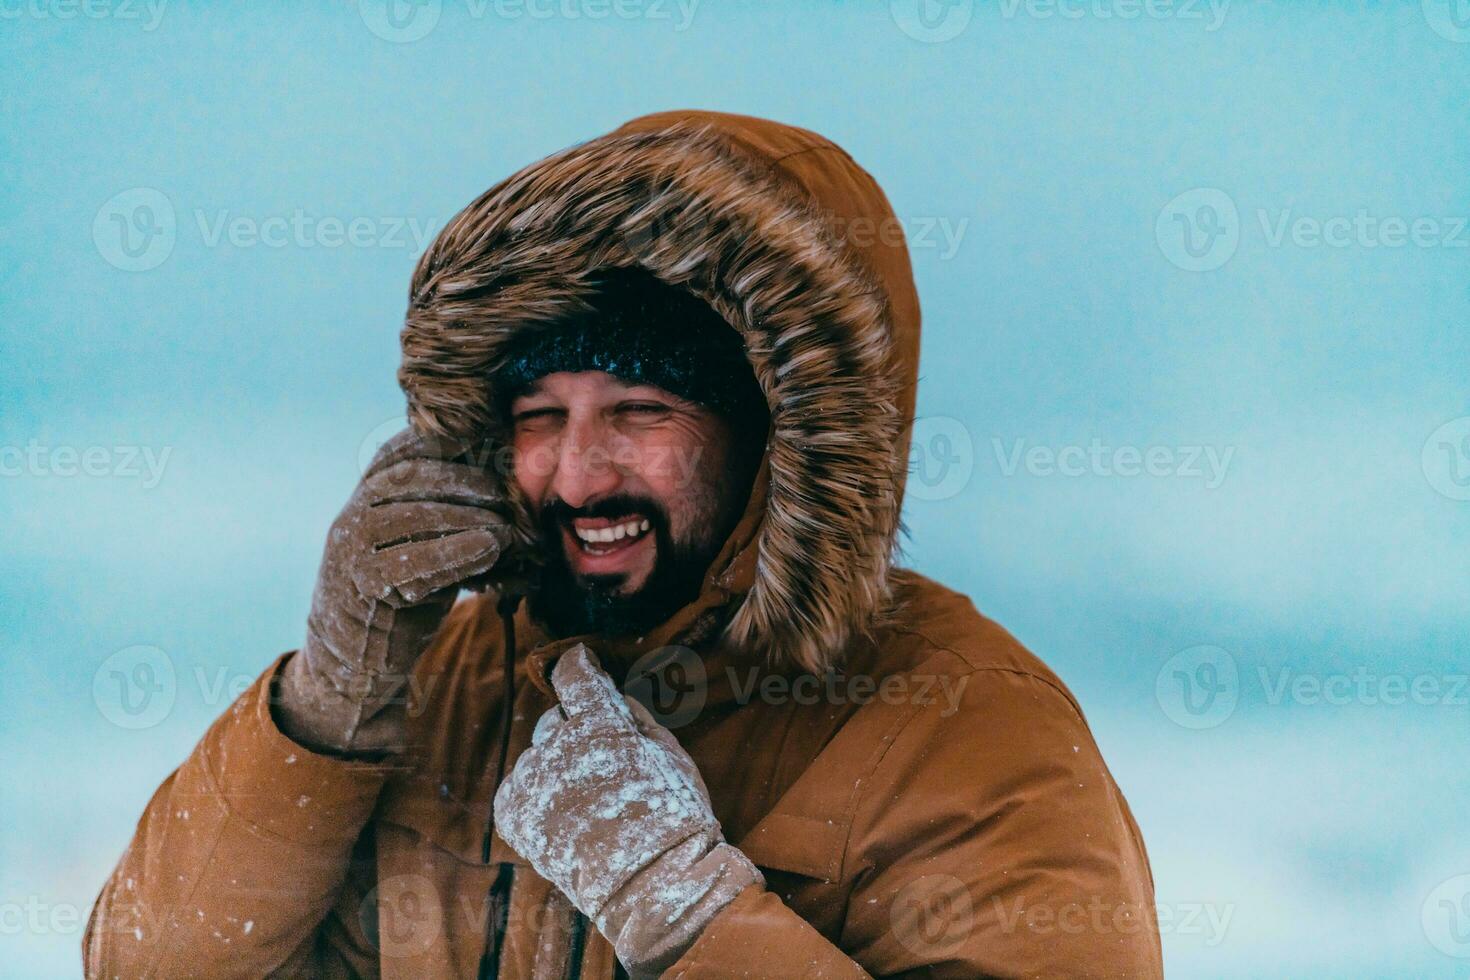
x: 498, y: 906
x: 578, y: 942
x: 498, y: 914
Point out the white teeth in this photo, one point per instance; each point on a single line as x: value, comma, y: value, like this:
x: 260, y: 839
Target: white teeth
x: 607, y: 535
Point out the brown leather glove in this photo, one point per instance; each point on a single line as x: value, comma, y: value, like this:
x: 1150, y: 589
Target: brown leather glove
x: 608, y: 807
x: 423, y: 522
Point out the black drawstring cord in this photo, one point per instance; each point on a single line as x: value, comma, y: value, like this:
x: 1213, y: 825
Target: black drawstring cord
x: 498, y: 906
x: 507, y: 609
x: 578, y: 945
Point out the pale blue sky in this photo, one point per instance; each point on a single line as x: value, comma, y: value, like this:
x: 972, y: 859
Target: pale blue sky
x: 1038, y: 163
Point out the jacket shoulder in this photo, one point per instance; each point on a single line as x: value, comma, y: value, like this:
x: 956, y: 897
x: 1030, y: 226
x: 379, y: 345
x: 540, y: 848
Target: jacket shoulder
x: 999, y: 792
x: 934, y: 629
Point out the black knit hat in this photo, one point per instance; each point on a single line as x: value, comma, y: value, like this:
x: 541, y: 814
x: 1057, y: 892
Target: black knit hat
x: 644, y: 331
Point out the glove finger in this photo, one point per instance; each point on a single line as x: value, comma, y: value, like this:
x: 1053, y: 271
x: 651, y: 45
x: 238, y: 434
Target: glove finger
x: 583, y: 687
x: 434, y: 479
x: 647, y: 724
x: 465, y: 555
x: 546, y: 724
x: 412, y: 542
x: 411, y: 444
x: 402, y: 525
x: 410, y: 573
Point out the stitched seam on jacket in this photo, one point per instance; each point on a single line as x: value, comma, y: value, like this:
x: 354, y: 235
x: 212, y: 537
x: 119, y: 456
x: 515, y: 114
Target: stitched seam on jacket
x: 217, y: 796
x: 948, y: 648
x: 168, y: 946
x: 886, y: 743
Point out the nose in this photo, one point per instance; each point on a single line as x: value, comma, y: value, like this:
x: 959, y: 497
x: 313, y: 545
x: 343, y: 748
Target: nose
x: 584, y: 464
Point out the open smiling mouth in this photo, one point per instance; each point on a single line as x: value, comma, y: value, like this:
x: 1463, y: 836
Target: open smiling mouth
x: 601, y: 536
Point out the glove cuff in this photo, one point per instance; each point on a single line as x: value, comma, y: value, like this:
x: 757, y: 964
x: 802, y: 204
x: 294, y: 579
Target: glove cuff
x: 656, y: 917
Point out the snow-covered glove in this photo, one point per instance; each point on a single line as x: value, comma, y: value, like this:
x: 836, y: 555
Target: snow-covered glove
x: 424, y: 520
x: 608, y: 807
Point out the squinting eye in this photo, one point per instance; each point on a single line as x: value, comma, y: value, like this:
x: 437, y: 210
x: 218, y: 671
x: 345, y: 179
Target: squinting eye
x: 643, y: 408
x: 536, y: 416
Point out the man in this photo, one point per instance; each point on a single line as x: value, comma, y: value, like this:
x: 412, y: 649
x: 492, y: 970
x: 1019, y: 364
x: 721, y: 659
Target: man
x: 661, y: 383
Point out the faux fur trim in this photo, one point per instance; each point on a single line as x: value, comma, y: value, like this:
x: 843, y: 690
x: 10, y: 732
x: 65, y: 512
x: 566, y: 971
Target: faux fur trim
x: 700, y: 210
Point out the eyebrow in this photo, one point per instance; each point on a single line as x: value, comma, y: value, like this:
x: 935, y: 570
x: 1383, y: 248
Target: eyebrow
x: 533, y: 388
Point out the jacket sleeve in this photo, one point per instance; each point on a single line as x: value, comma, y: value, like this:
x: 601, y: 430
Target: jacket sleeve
x: 989, y: 843
x: 250, y: 860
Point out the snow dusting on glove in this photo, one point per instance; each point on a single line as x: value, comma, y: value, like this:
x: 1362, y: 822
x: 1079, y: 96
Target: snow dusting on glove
x: 422, y: 522
x: 608, y: 807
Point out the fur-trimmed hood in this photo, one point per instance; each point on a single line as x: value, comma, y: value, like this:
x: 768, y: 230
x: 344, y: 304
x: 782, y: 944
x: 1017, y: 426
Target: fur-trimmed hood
x: 793, y: 244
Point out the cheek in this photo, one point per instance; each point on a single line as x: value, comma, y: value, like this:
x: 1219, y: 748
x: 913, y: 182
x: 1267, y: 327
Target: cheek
x: 532, y: 465
x: 682, y: 467
x: 648, y: 460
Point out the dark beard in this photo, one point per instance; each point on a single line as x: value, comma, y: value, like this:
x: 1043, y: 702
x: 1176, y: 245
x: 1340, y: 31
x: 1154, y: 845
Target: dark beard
x: 573, y: 605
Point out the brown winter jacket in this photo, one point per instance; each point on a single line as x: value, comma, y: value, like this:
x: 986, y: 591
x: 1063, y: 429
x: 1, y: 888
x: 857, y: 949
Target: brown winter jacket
x: 921, y: 793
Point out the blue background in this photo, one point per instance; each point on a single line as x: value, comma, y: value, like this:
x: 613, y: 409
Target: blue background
x: 1327, y: 837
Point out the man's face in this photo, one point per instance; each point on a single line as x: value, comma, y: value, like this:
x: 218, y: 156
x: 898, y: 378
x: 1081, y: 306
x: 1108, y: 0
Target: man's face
x: 630, y: 487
